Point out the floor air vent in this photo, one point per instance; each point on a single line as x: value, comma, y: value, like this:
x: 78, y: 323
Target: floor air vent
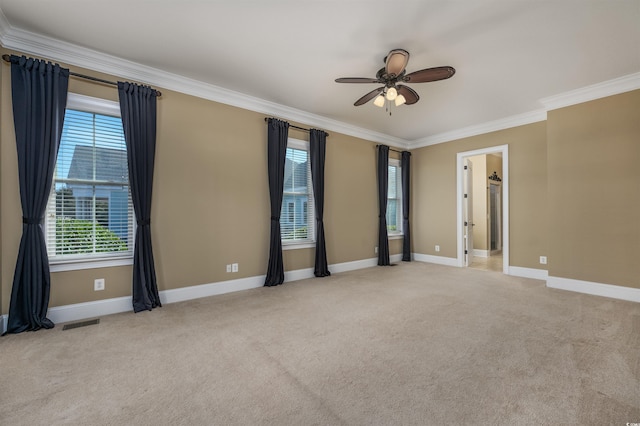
x: 81, y: 324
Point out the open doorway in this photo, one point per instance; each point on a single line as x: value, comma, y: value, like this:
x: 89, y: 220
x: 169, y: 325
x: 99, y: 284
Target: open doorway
x: 483, y: 208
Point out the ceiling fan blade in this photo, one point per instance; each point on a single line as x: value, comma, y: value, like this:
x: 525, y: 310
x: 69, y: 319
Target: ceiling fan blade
x: 409, y: 94
x: 396, y: 61
x: 366, y: 98
x: 357, y: 80
x: 429, y: 74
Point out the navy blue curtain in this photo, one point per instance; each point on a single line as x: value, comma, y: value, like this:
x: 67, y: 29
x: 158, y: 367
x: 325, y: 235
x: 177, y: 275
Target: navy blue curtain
x: 277, y: 135
x: 138, y: 110
x: 406, y: 194
x: 383, y: 192
x: 39, y: 96
x: 318, y: 143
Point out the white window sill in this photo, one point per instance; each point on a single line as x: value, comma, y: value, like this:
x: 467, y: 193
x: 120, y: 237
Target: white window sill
x: 295, y: 246
x: 395, y: 236
x: 76, y: 265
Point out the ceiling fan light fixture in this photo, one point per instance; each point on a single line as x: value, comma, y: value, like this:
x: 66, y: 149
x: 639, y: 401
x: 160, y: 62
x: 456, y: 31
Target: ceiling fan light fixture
x: 400, y: 100
x: 379, y: 101
x: 392, y: 93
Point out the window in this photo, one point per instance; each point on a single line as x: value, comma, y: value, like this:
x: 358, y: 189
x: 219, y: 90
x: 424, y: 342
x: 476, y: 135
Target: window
x: 292, y: 215
x: 394, y: 198
x: 296, y: 222
x: 89, y: 214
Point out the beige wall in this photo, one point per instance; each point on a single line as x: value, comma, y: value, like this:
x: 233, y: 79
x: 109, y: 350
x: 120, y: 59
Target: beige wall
x: 594, y: 191
x: 573, y: 195
x: 210, y: 200
x: 434, y: 193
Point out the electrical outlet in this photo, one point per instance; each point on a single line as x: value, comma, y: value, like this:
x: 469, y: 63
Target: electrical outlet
x: 98, y: 284
x: 375, y: 250
x: 234, y: 267
x: 543, y: 260
x: 229, y: 268
x: 437, y: 248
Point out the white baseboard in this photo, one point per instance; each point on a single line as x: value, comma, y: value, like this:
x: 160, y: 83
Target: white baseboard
x: 86, y: 310
x: 596, y: 289
x: 536, y: 274
x: 440, y: 260
x: 360, y: 264
x: 353, y: 265
x: 480, y: 253
x: 298, y: 274
x: 80, y: 311
x: 212, y: 289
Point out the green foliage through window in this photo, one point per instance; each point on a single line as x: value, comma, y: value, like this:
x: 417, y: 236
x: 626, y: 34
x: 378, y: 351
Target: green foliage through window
x: 300, y: 233
x: 76, y: 236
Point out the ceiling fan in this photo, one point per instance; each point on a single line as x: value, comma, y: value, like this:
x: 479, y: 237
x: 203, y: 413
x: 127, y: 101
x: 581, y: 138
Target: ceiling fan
x: 392, y: 74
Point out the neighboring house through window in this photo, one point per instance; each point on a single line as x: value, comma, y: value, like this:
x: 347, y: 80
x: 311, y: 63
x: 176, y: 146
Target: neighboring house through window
x: 90, y: 215
x: 291, y: 212
x: 394, y: 199
x: 297, y: 225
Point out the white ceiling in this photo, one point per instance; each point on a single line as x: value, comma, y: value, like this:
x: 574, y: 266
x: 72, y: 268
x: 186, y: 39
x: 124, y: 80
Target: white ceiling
x: 509, y: 54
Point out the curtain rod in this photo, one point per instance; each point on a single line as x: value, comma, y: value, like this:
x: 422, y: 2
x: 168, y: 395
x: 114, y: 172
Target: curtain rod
x: 7, y: 58
x: 391, y: 149
x: 296, y: 127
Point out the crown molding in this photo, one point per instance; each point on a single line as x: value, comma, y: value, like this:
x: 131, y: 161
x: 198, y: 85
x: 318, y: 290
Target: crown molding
x: 616, y: 86
x: 47, y: 47
x: 5, y: 27
x: 480, y: 129
x: 50, y: 48
x: 589, y: 93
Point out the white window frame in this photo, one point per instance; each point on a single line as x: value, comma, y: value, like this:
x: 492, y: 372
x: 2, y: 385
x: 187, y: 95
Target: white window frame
x: 311, y: 223
x: 398, y: 233
x: 98, y: 106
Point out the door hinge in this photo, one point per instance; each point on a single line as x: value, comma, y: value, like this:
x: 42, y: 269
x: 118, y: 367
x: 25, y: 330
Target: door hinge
x: 465, y: 195
x: 466, y: 223
x: 465, y: 167
x: 466, y: 252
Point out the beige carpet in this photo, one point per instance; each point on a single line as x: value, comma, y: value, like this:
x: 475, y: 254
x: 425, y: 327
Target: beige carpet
x: 414, y: 344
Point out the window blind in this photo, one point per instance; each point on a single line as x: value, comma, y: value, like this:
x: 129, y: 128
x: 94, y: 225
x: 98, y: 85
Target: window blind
x: 297, y: 224
x: 89, y: 213
x: 394, y: 198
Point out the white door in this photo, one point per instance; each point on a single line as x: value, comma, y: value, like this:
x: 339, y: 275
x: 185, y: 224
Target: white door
x: 468, y: 212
